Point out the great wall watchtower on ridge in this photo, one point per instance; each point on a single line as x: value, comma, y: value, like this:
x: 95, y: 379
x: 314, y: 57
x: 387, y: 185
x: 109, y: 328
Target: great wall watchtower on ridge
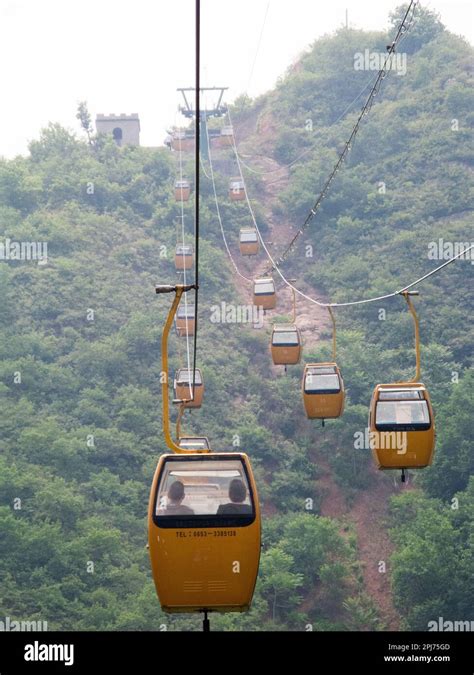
x: 125, y: 129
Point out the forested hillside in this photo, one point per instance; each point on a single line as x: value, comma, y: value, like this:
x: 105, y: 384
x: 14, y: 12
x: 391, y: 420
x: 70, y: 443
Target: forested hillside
x: 80, y: 358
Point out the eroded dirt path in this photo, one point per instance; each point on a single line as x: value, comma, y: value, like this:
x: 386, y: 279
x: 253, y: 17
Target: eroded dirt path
x: 368, y: 515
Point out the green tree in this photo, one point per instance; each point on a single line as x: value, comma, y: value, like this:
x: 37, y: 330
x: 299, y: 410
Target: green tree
x: 278, y: 582
x: 426, y: 26
x: 84, y: 117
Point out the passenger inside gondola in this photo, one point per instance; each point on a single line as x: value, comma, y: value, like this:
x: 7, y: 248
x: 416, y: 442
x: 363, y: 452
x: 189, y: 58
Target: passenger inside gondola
x: 237, y: 495
x: 175, y: 498
x: 205, y: 486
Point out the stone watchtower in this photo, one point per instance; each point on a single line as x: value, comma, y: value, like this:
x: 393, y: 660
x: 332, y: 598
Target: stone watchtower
x: 125, y: 129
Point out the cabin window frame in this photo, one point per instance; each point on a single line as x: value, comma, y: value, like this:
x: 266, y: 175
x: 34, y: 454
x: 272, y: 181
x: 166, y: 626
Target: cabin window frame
x: 205, y: 521
x: 408, y: 426
x: 322, y: 392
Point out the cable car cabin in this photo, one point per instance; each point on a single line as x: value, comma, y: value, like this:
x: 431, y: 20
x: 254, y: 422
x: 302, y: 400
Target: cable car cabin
x: 182, y: 190
x: 236, y: 190
x: 204, y: 532
x: 225, y: 138
x: 183, y: 387
x: 248, y: 241
x: 182, y: 141
x: 285, y: 345
x: 323, y: 391
x: 194, y: 443
x: 183, y: 257
x: 264, y: 294
x: 404, y: 413
x: 185, y: 320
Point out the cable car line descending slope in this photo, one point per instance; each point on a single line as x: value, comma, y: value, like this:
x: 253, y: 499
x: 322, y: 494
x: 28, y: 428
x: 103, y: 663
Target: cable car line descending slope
x: 258, y: 46
x: 307, y: 150
x: 402, y: 29
x: 184, y: 267
x: 196, y: 175
x: 275, y: 265
x: 336, y: 121
x: 204, y: 513
x: 204, y: 531
x: 394, y: 407
x: 211, y: 170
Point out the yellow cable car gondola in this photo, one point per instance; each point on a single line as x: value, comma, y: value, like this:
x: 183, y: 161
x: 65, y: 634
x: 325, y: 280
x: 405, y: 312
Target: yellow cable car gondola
x: 401, y: 418
x: 264, y: 294
x: 182, y: 190
x: 323, y: 386
x: 406, y: 409
x: 286, y: 343
x: 248, y: 241
x: 185, y: 321
x: 236, y: 190
x: 203, y: 518
x: 204, y: 532
x: 184, y: 390
x: 183, y: 257
x: 323, y: 391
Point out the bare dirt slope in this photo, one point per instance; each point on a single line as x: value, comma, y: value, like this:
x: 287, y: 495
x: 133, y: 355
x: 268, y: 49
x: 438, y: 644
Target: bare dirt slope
x: 368, y: 515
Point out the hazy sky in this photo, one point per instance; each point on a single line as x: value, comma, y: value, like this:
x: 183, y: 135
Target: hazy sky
x: 124, y: 56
